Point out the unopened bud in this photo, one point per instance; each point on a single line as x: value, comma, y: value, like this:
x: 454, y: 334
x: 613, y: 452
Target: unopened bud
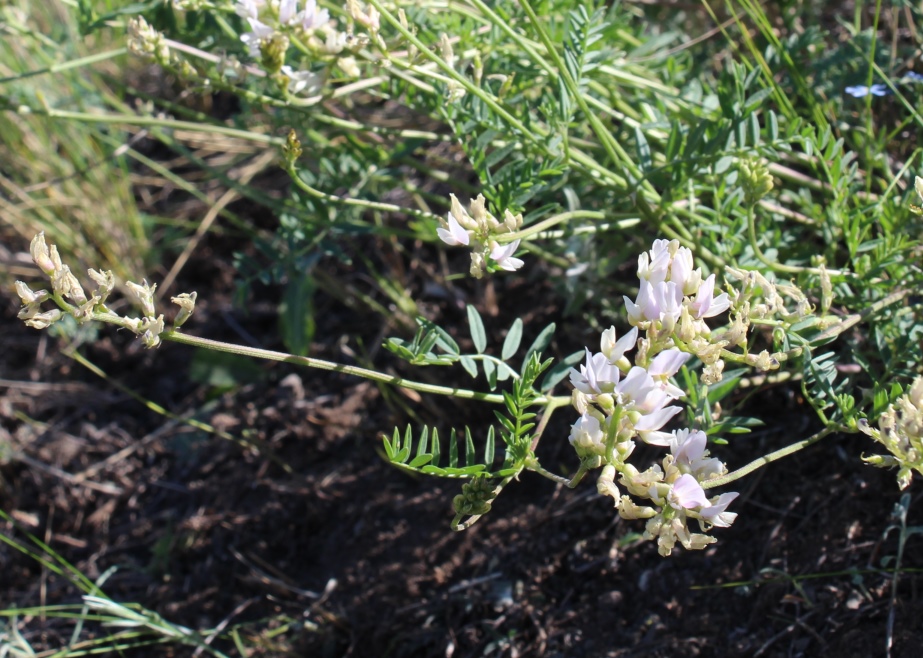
x: 605, y: 485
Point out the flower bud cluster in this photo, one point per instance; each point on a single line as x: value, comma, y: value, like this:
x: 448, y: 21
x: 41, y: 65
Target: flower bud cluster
x: 275, y: 23
x: 478, y: 229
x: 900, y: 430
x: 144, y: 40
x: 71, y: 298
x: 621, y: 402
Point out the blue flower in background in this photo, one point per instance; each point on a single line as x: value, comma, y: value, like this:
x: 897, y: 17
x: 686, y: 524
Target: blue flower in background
x: 913, y: 76
x: 859, y: 91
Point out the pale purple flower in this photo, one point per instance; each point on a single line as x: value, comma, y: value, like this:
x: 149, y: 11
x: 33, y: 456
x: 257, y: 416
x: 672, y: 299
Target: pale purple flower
x: 615, y: 349
x: 655, y: 302
x: 706, y: 305
x: 312, y: 17
x: 639, y: 392
x: 687, y: 493
x: 248, y: 8
x: 859, y: 91
x: 596, y: 376
x: 635, y: 386
x: 287, y: 10
x: 648, y: 426
x: 716, y: 514
x: 587, y: 435
x: 669, y: 300
x: 503, y: 254
x: 688, y: 446
x: 455, y: 235
x: 665, y: 365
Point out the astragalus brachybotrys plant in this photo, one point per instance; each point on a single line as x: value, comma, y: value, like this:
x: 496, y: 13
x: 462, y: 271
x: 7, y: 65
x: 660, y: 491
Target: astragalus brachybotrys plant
x: 539, y: 144
x: 625, y: 393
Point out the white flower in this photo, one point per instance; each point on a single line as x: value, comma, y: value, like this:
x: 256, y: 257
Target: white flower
x: 615, y: 349
x: 681, y: 267
x: 687, y: 493
x: 287, y: 10
x: 254, y: 38
x: 455, y: 235
x: 312, y: 17
x: 248, y: 8
x: 503, y: 254
x: 597, y: 376
x: 706, y: 305
x: 301, y: 80
x: 716, y: 514
x: 587, y: 436
x: 689, y: 453
x: 653, y: 266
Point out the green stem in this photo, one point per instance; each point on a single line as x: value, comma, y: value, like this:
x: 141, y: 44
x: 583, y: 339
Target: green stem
x: 548, y: 223
x: 427, y: 52
x: 135, y: 120
x: 64, y: 66
x: 776, y: 267
x: 362, y: 203
x: 768, y: 459
x: 320, y: 364
x: 848, y: 322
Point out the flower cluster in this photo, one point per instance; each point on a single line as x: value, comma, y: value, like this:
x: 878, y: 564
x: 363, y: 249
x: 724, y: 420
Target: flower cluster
x: 900, y: 430
x: 275, y: 23
x: 478, y: 230
x: 620, y: 402
x: 71, y: 298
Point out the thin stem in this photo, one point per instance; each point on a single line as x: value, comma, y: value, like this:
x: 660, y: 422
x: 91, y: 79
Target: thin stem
x: 848, y: 322
x: 776, y: 267
x: 320, y: 364
x: 135, y: 120
x: 64, y: 66
x: 771, y: 457
x: 425, y: 51
x: 548, y: 223
x: 362, y: 203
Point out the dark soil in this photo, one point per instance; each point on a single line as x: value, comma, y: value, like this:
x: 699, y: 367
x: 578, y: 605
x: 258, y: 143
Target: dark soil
x: 299, y: 531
